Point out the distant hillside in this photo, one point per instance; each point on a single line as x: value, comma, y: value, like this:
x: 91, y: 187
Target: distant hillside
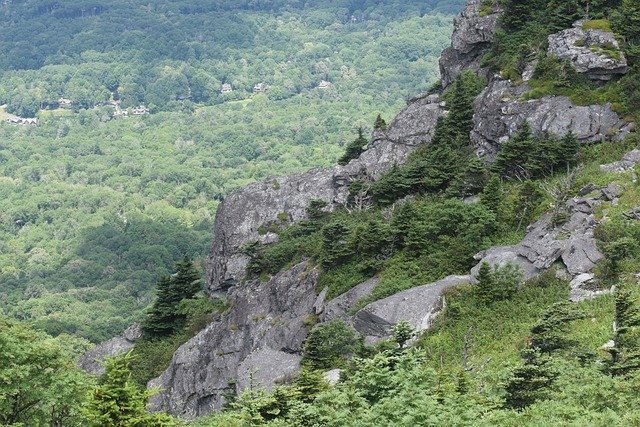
x: 95, y: 207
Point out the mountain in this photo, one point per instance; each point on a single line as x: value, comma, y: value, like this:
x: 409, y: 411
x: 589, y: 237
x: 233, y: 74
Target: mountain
x: 390, y: 236
x: 474, y: 262
x: 97, y: 206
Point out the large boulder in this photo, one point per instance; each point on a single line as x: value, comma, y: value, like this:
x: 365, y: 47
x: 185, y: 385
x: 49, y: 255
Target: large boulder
x: 500, y: 113
x: 92, y: 361
x: 418, y: 306
x: 593, y: 52
x: 473, y: 33
x: 258, y: 339
x: 245, y: 214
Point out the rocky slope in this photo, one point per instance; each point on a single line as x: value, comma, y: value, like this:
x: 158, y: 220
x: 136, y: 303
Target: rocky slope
x: 259, y: 338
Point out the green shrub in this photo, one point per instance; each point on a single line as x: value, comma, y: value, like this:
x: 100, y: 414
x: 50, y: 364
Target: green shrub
x: 329, y: 345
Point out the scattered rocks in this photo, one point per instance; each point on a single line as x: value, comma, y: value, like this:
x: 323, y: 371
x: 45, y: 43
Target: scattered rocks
x: 633, y: 214
x: 332, y: 377
x: 93, y: 360
x: 572, y: 242
x: 595, y: 53
x: 585, y: 287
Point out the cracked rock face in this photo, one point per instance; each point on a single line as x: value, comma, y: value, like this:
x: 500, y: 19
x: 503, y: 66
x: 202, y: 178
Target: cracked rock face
x: 256, y: 342
x: 472, y: 36
x: 500, y: 112
x: 92, y: 361
x: 573, y: 242
x: 595, y: 53
x: 243, y: 213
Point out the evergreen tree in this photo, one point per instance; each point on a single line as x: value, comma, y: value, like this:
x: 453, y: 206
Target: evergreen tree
x: 163, y: 317
x: 530, y: 381
x: 380, y: 124
x: 118, y: 402
x: 403, y: 332
x: 567, y: 150
x: 548, y: 334
x: 335, y: 243
x: 625, y: 355
x: 484, y: 288
x: 491, y: 196
x: 514, y: 155
x: 354, y: 148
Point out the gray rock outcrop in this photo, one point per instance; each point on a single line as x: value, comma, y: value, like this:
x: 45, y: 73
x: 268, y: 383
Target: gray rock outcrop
x: 628, y: 162
x: 473, y: 33
x: 92, y: 361
x: 418, y: 306
x: 500, y: 112
x: 573, y: 242
x: 244, y: 212
x: 593, y: 52
x: 339, y: 307
x: 257, y: 341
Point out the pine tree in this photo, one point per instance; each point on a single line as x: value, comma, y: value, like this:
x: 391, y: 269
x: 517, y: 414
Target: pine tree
x: 514, y: 154
x: 163, y: 317
x: 118, y: 402
x: 567, y: 150
x: 491, y: 196
x: 335, y: 247
x: 529, y: 382
x: 625, y: 355
x: 485, y: 286
x: 403, y: 332
x: 380, y: 124
x: 354, y: 148
x: 548, y: 334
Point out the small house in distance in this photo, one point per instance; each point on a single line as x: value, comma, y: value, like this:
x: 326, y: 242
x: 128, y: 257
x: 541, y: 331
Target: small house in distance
x: 64, y: 102
x: 22, y: 121
x: 324, y: 85
x: 140, y: 110
x: 260, y: 88
x: 226, y: 88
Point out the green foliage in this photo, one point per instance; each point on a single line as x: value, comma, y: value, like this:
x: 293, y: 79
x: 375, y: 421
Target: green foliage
x: 525, y: 156
x: 548, y: 334
x: 116, y: 401
x: 497, y: 284
x: 39, y: 383
x: 625, y: 354
x: 95, y: 208
x: 403, y: 332
x: 380, y: 124
x: 354, y: 148
x: 329, y: 345
x: 164, y: 316
x: 531, y: 380
x: 446, y: 163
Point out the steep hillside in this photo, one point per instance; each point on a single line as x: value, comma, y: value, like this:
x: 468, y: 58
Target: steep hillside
x: 328, y: 264
x: 96, y: 207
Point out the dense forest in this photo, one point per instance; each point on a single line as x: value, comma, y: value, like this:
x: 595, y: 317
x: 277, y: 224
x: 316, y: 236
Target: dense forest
x: 96, y: 207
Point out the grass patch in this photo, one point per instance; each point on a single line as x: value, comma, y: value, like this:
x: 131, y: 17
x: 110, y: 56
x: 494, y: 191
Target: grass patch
x: 597, y: 24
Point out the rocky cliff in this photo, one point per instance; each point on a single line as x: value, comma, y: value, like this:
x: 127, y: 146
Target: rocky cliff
x: 261, y: 335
